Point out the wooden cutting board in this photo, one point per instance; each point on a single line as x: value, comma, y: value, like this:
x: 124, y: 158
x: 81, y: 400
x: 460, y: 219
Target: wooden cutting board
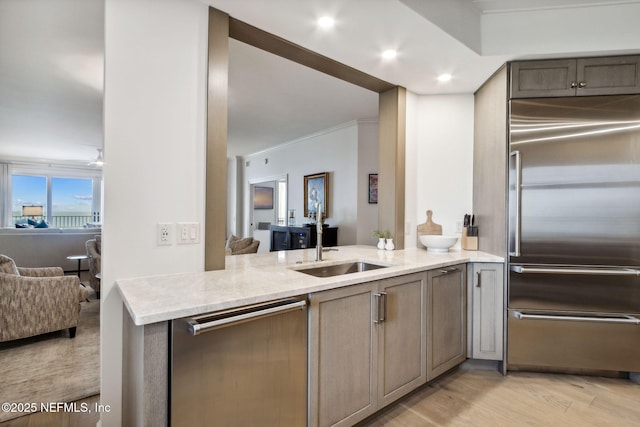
x: 429, y: 227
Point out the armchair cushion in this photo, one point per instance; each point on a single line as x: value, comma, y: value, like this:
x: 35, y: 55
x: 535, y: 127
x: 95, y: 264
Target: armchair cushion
x: 240, y: 244
x: 237, y: 246
x: 36, y: 305
x: 8, y: 266
x: 41, y: 271
x: 251, y: 249
x: 93, y: 247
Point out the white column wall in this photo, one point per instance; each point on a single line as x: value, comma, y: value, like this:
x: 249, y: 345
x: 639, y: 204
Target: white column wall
x: 154, y: 124
x: 410, y: 170
x: 439, y: 157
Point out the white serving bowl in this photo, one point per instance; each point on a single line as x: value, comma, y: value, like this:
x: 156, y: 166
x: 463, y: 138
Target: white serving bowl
x: 437, y: 243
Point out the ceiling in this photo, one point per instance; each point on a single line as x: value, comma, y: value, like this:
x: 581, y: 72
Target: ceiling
x: 51, y: 61
x: 51, y: 77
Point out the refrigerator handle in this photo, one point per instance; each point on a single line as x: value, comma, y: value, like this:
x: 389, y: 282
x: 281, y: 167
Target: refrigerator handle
x: 518, y: 175
x: 621, y: 319
x: 569, y: 270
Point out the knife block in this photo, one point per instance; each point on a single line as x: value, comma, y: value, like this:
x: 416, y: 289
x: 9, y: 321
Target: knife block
x: 468, y: 243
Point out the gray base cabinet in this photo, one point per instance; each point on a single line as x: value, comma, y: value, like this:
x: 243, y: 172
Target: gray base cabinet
x: 366, y: 348
x: 447, y: 319
x: 486, y: 299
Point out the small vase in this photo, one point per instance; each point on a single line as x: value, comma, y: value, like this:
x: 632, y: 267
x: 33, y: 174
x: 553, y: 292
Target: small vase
x: 389, y: 246
x: 380, y: 242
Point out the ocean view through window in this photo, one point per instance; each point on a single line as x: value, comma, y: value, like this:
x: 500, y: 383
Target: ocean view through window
x: 68, y: 202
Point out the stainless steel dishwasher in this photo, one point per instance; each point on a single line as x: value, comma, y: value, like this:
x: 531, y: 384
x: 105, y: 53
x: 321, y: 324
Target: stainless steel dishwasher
x: 241, y: 367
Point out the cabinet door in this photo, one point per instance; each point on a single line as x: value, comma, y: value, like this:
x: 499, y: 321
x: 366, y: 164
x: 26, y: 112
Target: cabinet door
x: 487, y: 294
x: 531, y: 79
x: 446, y: 313
x: 342, y: 360
x: 402, y: 344
x: 609, y: 76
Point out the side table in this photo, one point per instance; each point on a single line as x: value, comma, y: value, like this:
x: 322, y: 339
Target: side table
x: 79, y: 258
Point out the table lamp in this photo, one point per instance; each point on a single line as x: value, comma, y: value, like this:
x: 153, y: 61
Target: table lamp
x: 32, y: 211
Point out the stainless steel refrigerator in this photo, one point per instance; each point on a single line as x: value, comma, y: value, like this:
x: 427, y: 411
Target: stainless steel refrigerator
x: 574, y: 233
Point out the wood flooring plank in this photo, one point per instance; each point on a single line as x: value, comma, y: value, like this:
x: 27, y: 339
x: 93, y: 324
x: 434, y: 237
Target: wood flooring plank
x: 59, y: 419
x: 480, y: 397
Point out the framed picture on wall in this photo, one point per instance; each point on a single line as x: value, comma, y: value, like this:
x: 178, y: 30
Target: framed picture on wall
x: 262, y: 198
x: 373, y: 188
x: 316, y: 190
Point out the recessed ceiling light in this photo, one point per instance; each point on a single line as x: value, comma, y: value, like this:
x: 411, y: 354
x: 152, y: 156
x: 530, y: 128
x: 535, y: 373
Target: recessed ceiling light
x: 389, y: 54
x: 326, y: 22
x: 444, y: 77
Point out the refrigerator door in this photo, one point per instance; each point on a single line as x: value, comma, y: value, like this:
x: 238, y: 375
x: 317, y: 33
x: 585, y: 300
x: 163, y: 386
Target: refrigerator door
x: 574, y: 190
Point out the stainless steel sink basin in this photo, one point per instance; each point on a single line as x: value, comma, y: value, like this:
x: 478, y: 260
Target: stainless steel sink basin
x: 340, y: 269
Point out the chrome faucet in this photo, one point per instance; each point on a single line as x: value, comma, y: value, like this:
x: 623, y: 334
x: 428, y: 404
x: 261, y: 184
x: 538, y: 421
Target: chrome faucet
x: 319, y: 248
x: 319, y: 232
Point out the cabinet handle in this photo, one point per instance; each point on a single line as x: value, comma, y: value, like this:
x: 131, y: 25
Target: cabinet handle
x: 479, y: 277
x: 574, y: 85
x: 448, y: 270
x: 378, y: 301
x: 381, y: 307
x: 582, y: 84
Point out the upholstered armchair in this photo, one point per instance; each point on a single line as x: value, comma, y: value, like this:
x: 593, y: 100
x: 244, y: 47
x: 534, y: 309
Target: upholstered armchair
x: 238, y: 246
x: 36, y: 301
x: 93, y: 251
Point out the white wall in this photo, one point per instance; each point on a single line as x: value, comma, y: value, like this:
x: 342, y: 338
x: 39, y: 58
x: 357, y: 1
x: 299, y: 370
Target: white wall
x: 367, y: 163
x: 411, y: 165
x: 335, y: 151
x: 439, y: 160
x: 154, y: 152
x: 604, y: 28
x: 232, y: 196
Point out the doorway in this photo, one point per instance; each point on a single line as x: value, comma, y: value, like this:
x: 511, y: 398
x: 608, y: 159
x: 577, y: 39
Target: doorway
x: 267, y: 207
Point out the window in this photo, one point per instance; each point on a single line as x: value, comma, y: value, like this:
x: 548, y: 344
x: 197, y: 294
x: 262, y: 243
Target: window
x: 71, y: 202
x: 69, y: 198
x: 28, y: 190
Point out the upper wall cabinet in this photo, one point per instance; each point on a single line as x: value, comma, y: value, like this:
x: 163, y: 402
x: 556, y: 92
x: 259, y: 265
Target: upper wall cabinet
x: 576, y: 77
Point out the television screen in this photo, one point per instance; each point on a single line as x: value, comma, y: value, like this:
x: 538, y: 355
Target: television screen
x: 262, y: 198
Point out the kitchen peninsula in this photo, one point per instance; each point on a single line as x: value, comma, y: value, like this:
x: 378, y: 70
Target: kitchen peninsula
x: 152, y: 302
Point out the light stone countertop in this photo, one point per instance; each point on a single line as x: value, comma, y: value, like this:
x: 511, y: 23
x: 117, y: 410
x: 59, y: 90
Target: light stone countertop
x: 255, y: 278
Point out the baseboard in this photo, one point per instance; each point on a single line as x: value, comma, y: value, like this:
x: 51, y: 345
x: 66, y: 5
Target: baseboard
x: 479, y: 364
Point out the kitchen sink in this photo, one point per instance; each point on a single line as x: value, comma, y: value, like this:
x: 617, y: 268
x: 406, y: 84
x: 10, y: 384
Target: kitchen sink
x: 340, y: 269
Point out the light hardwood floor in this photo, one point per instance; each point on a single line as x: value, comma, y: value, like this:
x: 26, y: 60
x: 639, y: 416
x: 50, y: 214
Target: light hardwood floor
x: 483, y: 397
x: 474, y: 397
x: 59, y: 419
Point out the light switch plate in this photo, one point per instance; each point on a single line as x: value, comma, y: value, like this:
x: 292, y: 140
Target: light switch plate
x: 188, y: 233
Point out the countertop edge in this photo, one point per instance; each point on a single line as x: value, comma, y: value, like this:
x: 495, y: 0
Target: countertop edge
x: 145, y: 311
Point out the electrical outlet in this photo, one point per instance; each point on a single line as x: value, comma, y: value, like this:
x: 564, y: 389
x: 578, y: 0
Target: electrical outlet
x: 458, y: 226
x: 165, y: 234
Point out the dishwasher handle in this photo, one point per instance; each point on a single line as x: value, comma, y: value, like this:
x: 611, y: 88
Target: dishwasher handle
x: 211, y: 322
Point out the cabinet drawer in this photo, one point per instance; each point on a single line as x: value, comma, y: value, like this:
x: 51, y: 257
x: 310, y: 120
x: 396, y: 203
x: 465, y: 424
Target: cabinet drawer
x: 537, y: 340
